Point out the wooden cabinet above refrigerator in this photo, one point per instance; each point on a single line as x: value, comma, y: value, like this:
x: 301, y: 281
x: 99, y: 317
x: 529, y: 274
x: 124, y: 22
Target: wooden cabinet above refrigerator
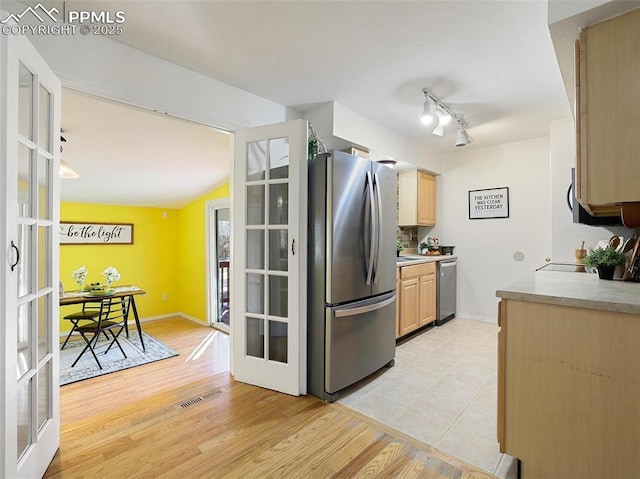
x: 416, y: 198
x: 608, y: 114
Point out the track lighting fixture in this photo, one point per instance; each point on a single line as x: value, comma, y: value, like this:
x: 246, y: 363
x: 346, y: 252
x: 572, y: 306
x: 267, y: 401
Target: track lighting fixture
x: 434, y: 108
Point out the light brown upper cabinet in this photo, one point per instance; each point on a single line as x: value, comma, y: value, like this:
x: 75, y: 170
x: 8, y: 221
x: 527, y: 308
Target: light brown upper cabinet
x: 608, y: 114
x: 416, y: 198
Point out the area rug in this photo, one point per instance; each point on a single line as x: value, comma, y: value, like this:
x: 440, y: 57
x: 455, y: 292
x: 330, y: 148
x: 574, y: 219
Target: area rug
x: 112, y: 361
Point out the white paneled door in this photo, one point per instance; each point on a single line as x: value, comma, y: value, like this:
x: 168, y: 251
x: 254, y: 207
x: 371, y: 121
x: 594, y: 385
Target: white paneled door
x: 29, y: 213
x: 268, y: 262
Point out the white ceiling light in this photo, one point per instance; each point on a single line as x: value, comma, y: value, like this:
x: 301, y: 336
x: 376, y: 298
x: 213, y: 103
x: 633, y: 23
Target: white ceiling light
x: 66, y: 171
x: 444, y: 115
x: 427, y: 111
x: 462, y: 137
x: 438, y: 130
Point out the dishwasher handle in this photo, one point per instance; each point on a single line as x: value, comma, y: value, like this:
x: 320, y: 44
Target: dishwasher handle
x: 448, y: 264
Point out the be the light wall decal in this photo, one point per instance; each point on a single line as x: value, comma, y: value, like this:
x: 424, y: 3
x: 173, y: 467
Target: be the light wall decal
x: 72, y: 233
x: 489, y: 203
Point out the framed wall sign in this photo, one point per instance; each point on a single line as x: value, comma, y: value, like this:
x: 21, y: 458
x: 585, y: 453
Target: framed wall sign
x: 489, y: 203
x: 95, y: 233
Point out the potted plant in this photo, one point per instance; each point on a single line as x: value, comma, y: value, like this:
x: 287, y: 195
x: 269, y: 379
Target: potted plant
x: 423, y: 247
x: 399, y: 247
x: 605, y: 260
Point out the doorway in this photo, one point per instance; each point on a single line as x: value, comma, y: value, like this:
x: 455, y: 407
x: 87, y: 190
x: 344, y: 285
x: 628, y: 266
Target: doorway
x: 219, y: 264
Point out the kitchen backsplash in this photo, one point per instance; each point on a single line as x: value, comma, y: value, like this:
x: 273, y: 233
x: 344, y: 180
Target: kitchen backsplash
x: 409, y: 236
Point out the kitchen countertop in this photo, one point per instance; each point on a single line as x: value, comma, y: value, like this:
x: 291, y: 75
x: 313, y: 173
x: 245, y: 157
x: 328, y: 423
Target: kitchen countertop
x: 417, y: 259
x: 578, y: 290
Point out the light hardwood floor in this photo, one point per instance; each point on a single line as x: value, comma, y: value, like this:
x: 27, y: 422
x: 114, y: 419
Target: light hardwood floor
x: 187, y: 417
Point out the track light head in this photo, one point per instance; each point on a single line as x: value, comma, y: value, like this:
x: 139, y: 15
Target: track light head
x: 438, y: 130
x: 427, y: 114
x: 444, y: 117
x: 462, y: 137
x: 66, y: 171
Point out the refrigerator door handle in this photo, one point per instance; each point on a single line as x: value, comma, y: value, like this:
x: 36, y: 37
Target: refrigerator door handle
x: 373, y: 228
x: 378, y: 233
x: 364, y: 309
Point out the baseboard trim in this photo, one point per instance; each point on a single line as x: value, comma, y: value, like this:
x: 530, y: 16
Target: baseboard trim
x: 172, y: 315
x: 153, y: 318
x: 192, y: 318
x: 476, y: 317
x: 132, y: 322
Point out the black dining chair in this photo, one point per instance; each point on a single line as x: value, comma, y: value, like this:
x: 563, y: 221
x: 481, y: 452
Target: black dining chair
x: 90, y: 312
x: 111, y: 322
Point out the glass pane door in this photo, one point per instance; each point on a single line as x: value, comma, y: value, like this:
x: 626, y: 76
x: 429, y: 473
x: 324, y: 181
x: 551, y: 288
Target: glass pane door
x: 266, y: 270
x: 30, y: 197
x: 269, y: 239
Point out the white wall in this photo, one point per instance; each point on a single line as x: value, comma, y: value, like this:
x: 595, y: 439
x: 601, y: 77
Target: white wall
x: 566, y: 235
x: 339, y: 127
x: 486, y: 247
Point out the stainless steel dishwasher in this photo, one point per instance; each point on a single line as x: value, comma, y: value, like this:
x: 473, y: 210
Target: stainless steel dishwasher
x: 447, y: 286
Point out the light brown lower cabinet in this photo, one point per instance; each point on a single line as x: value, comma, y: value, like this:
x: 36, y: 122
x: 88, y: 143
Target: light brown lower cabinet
x: 397, y: 303
x: 416, y: 297
x: 569, y: 390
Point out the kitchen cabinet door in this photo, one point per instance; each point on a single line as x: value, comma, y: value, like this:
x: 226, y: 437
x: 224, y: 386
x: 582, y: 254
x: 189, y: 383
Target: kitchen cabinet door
x: 501, y: 375
x: 397, y: 303
x: 607, y: 120
x: 408, y: 306
x: 427, y: 299
x: 426, y: 199
x: 416, y: 198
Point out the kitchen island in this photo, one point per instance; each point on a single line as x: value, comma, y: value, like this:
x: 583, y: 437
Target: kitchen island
x: 569, y: 376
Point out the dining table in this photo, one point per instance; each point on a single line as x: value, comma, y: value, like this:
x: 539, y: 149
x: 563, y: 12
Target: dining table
x: 128, y: 292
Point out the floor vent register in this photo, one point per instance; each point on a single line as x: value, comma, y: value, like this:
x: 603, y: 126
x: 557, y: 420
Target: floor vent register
x: 199, y: 399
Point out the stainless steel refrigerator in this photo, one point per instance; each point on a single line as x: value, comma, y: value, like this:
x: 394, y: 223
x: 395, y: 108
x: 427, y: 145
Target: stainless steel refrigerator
x: 352, y: 271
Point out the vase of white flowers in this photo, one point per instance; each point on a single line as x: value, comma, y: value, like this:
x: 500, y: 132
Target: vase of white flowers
x: 111, y: 274
x: 80, y: 275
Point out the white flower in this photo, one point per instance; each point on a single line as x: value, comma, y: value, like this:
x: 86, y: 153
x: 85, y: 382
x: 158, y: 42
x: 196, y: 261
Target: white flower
x: 111, y: 274
x: 79, y: 275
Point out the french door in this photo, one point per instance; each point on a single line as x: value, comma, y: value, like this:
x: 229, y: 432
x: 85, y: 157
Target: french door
x: 268, y: 264
x: 29, y: 213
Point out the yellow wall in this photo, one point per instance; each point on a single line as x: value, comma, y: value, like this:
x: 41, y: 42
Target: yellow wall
x: 192, y: 255
x: 168, y: 255
x: 150, y: 263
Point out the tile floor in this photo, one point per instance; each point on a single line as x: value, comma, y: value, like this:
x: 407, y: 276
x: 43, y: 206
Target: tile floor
x: 442, y: 391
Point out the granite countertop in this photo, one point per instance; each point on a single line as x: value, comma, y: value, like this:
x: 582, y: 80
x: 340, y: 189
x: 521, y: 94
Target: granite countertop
x: 579, y: 290
x: 417, y: 259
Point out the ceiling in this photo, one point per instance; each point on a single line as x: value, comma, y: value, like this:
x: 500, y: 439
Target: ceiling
x: 128, y: 156
x: 492, y: 61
